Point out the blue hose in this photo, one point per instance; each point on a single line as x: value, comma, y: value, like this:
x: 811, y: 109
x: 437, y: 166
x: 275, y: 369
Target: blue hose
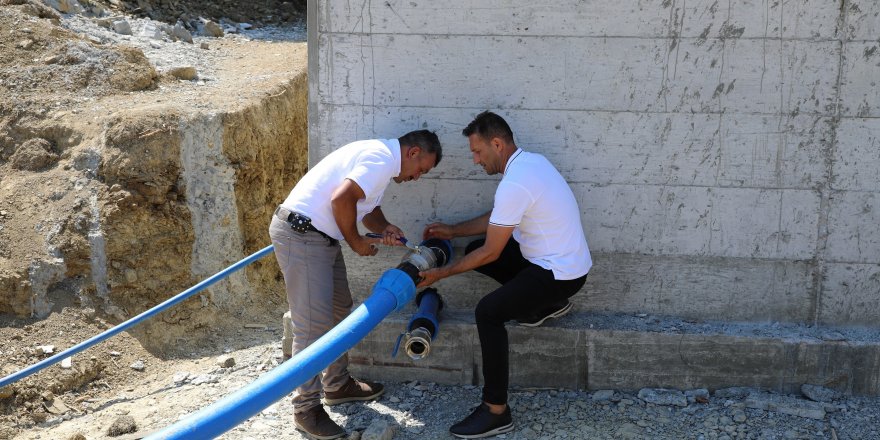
x: 215, y: 419
x: 137, y: 319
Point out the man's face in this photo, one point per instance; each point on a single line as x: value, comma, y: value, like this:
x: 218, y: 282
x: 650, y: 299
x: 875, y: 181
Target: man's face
x: 486, y: 153
x: 415, y: 163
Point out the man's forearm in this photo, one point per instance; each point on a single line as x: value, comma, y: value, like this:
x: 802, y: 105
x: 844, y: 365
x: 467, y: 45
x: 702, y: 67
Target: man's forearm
x: 473, y: 260
x: 375, y: 221
x: 474, y: 226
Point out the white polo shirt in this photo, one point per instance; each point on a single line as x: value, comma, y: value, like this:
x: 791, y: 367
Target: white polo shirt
x: 536, y: 200
x: 370, y: 163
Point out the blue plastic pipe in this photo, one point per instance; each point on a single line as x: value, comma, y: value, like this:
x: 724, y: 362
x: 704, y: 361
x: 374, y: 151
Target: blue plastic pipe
x: 137, y: 319
x: 428, y: 313
x: 393, y: 290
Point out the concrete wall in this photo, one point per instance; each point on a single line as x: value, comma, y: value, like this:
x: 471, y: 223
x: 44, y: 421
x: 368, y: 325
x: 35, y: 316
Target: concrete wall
x: 724, y: 154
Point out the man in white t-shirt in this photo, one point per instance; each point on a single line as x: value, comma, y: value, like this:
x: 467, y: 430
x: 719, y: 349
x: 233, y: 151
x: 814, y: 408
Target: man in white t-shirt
x: 324, y: 207
x: 534, y: 246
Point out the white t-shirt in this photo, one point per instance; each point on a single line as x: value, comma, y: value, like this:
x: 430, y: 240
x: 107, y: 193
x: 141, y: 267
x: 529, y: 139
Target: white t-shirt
x: 370, y: 163
x: 537, y: 201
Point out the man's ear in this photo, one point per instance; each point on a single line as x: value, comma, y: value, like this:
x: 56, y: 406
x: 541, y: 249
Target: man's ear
x: 497, y: 144
x: 414, y: 152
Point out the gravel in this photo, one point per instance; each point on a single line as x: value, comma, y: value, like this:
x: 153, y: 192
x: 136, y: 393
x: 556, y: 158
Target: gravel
x: 415, y: 410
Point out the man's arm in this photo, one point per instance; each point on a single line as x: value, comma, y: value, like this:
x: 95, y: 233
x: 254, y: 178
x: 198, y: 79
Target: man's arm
x: 344, y: 204
x: 496, y: 239
x: 376, y: 222
x: 475, y: 226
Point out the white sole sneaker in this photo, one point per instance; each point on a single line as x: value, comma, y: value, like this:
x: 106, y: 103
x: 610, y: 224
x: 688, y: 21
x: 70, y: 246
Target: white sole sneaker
x: 555, y: 314
x: 496, y: 431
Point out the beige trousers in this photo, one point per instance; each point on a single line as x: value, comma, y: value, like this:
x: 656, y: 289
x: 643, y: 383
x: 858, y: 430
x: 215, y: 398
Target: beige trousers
x: 319, y: 298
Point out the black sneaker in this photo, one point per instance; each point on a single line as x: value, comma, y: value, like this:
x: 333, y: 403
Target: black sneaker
x: 554, y: 311
x: 482, y: 423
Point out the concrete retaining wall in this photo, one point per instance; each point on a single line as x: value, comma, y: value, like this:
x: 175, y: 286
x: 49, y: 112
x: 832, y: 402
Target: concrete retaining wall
x: 611, y: 358
x: 724, y: 153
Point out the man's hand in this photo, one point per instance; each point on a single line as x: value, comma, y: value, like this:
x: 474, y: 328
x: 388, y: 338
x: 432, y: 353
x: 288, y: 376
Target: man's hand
x: 392, y: 235
x: 438, y: 230
x: 429, y: 277
x: 365, y: 246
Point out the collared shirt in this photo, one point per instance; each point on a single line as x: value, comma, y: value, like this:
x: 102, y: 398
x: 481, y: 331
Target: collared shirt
x: 369, y: 163
x: 537, y: 202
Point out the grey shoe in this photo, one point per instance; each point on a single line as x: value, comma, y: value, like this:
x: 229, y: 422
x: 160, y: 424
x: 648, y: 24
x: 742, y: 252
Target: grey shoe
x: 317, y: 424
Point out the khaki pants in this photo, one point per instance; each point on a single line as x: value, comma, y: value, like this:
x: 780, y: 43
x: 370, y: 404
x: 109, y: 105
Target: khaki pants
x: 319, y: 298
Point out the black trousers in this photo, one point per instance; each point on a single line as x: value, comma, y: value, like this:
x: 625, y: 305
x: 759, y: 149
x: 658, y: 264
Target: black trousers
x: 525, y: 288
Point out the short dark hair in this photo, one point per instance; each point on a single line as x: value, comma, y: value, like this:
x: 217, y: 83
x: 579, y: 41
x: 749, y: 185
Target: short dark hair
x: 424, y: 139
x: 489, y: 125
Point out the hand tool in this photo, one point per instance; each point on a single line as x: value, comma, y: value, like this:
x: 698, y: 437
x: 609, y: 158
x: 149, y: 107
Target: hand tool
x: 402, y: 240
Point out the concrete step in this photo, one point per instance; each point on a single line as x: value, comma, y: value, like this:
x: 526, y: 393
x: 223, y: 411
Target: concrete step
x: 604, y: 351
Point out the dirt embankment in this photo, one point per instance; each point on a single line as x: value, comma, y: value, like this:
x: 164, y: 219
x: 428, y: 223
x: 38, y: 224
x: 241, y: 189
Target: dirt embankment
x: 122, y: 185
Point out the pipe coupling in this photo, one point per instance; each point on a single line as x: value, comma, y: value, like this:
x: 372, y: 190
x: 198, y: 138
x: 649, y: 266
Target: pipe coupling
x: 418, y: 343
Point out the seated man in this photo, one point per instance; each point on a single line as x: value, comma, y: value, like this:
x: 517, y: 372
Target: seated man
x: 534, y: 246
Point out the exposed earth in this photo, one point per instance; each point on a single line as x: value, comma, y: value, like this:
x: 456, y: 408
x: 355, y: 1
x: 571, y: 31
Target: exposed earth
x: 88, y: 127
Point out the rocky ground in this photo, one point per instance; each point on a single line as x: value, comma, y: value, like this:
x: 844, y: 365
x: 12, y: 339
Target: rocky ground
x: 63, y: 66
x: 154, y: 393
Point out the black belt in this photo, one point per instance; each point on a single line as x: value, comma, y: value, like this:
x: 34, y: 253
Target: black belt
x: 301, y: 223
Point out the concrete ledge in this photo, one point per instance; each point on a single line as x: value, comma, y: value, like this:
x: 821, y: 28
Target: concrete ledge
x: 568, y: 353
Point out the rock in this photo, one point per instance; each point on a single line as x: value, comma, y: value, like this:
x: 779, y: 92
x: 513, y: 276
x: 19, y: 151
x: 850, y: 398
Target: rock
x: 785, y: 405
x: 55, y: 406
x: 6, y: 392
x: 66, y: 363
x: 833, y: 336
x: 181, y: 33
x: 180, y: 378
x: 25, y: 44
x: 629, y: 431
x: 379, y: 429
x: 734, y: 392
x: 122, y: 425
x: 105, y: 22
x: 204, y: 378
x: 602, y: 395
x: 818, y: 393
x: 226, y: 361
x: 152, y: 31
x: 205, y: 46
x: 131, y: 276
x: 138, y: 365
x: 186, y: 73
x: 122, y: 27
x: 34, y: 155
x: 66, y: 6
x: 47, y: 349
x: 700, y: 395
x: 77, y: 436
x: 662, y: 396
x: 213, y: 29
